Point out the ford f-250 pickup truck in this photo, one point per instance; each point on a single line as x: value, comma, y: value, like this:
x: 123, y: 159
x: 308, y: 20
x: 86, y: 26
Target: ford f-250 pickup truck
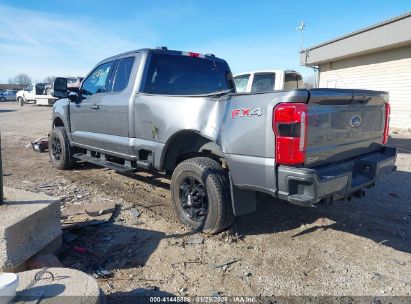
x: 178, y: 113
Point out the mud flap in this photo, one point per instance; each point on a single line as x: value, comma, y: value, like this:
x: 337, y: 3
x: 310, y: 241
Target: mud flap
x: 243, y: 201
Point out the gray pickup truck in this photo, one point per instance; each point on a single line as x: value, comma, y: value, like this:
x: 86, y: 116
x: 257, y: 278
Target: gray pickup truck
x: 177, y: 113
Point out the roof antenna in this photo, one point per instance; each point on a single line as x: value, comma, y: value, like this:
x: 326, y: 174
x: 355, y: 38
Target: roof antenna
x: 301, y: 29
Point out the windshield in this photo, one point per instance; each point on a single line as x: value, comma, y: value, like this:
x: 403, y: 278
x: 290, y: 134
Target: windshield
x: 184, y: 75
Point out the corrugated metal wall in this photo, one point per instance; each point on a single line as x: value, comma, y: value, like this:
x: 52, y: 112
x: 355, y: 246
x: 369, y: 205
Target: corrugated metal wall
x: 386, y: 70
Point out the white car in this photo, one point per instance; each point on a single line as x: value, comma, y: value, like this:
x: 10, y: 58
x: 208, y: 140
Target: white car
x: 268, y: 80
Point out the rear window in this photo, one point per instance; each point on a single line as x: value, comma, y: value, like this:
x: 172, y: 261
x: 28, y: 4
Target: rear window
x: 293, y: 81
x: 263, y: 82
x: 184, y: 75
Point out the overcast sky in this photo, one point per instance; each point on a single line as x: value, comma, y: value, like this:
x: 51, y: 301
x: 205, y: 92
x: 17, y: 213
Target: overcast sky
x: 67, y: 38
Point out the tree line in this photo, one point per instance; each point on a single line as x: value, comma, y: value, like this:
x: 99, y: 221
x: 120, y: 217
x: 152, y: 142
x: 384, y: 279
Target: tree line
x: 24, y: 80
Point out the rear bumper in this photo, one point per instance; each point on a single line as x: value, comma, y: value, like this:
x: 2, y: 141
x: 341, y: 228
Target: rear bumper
x: 303, y: 186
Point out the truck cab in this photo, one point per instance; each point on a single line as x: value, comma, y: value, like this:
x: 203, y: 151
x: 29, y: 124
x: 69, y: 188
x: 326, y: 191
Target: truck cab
x: 268, y: 80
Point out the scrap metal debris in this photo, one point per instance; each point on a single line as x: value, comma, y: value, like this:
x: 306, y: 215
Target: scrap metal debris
x: 88, y: 214
x: 101, y: 273
x: 40, y: 145
x: 225, y: 264
x: 79, y: 249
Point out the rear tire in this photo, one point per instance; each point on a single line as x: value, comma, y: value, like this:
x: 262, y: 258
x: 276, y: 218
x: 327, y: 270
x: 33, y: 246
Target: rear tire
x: 201, y: 195
x: 59, y: 149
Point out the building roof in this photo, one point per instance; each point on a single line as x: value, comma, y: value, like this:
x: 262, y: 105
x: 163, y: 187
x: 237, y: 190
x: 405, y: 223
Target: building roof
x: 391, y: 33
x: 5, y: 86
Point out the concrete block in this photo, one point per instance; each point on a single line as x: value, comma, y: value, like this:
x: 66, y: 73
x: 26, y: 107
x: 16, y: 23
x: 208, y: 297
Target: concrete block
x: 29, y: 223
x: 68, y: 286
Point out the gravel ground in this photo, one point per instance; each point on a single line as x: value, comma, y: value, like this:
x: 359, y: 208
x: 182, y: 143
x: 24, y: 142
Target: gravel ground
x: 357, y: 248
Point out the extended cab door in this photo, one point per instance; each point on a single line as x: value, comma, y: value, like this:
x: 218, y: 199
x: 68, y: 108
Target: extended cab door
x: 85, y: 115
x: 117, y: 104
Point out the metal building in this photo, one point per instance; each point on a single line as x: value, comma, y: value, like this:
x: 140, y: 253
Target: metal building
x: 377, y: 57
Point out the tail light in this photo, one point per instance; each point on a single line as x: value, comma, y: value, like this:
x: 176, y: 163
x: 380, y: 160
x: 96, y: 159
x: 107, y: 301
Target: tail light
x: 387, y: 123
x: 290, y: 128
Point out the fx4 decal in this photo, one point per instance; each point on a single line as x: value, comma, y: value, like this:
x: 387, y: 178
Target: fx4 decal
x: 246, y: 112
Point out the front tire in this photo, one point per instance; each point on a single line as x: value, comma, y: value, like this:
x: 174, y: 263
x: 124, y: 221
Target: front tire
x: 59, y: 149
x: 20, y: 101
x: 201, y: 195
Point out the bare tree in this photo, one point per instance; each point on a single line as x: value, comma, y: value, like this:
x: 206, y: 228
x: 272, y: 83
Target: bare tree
x: 22, y: 80
x: 49, y: 79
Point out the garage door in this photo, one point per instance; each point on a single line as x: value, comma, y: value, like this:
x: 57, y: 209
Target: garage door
x: 387, y: 70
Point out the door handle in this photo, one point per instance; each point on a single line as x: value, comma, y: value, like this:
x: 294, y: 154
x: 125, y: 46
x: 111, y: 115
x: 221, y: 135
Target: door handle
x: 94, y: 106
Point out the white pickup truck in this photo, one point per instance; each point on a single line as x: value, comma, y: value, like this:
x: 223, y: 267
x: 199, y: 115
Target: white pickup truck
x: 268, y: 80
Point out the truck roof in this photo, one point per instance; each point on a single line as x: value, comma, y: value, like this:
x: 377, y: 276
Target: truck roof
x: 158, y: 51
x: 266, y: 71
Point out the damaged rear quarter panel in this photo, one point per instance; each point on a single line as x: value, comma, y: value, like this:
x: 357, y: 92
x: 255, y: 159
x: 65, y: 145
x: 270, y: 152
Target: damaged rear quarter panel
x: 159, y: 117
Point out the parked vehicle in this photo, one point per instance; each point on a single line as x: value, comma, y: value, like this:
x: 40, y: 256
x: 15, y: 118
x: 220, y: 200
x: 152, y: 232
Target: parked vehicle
x: 40, y: 94
x: 268, y: 80
x: 26, y: 95
x: 8, y: 95
x: 177, y: 113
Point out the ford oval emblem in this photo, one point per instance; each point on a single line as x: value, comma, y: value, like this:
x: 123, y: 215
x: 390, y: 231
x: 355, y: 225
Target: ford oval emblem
x: 355, y: 121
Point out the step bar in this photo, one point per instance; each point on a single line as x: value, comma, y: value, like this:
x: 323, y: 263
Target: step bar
x: 103, y: 162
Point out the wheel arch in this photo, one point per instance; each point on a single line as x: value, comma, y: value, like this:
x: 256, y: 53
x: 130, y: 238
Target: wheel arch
x: 58, y: 122
x: 185, y: 144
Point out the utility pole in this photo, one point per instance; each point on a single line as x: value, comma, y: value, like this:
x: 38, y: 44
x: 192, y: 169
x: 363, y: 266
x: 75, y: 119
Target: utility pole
x: 301, y: 29
x: 1, y: 177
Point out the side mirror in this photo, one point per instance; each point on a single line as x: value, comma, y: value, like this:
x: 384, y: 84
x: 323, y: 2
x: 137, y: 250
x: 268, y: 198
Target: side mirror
x: 73, y: 96
x: 59, y: 87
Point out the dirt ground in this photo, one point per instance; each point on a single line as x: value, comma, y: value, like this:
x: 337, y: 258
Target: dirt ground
x: 357, y: 248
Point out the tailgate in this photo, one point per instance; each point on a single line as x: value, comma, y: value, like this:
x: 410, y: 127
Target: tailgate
x: 343, y: 124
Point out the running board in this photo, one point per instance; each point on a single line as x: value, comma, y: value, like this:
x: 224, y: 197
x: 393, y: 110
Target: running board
x: 104, y: 163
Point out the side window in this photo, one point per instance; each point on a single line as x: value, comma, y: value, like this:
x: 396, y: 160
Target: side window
x: 263, y: 82
x: 29, y: 88
x: 123, y: 72
x: 241, y: 82
x: 96, y: 82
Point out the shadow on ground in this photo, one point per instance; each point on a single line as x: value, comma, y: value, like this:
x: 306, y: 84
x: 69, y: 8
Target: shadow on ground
x: 403, y: 144
x: 138, y: 296
x: 110, y: 246
x: 384, y: 220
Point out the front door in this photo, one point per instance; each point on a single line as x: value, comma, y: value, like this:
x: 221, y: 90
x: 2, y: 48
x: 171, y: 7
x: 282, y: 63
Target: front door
x: 85, y: 115
x: 116, y: 105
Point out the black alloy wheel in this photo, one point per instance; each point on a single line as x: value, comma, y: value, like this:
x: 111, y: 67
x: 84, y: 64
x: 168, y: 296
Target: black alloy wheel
x: 193, y: 199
